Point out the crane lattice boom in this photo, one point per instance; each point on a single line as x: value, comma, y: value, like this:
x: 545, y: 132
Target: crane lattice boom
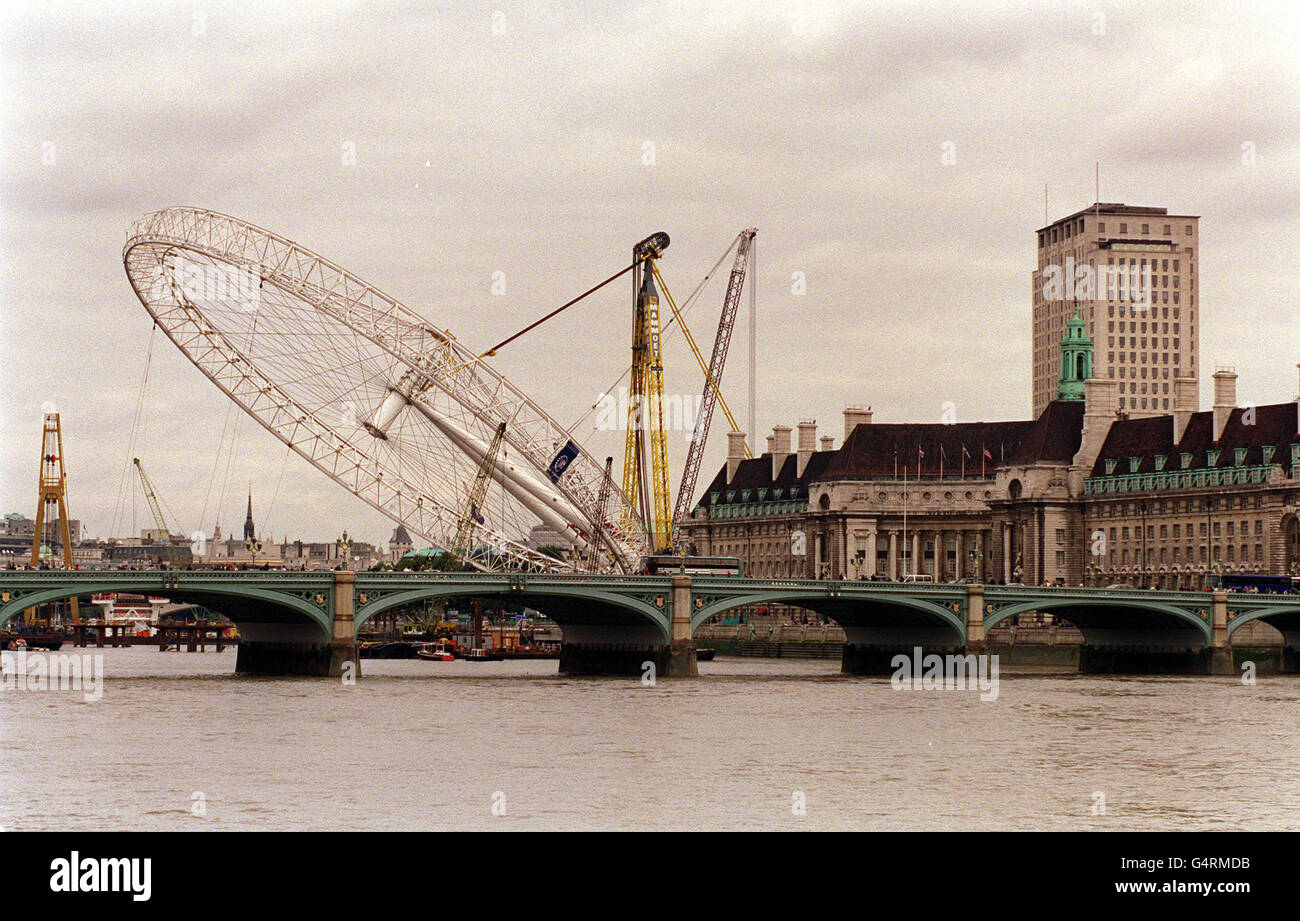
x: 151, y: 497
x: 478, y: 492
x: 713, y: 379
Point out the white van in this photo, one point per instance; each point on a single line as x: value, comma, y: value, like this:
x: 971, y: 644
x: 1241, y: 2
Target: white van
x: 917, y: 577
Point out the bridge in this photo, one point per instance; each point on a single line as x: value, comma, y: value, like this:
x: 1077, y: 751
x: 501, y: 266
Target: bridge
x: 305, y: 623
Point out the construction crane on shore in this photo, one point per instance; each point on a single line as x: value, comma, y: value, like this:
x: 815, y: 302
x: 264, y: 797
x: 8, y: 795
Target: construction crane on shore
x: 52, y: 492
x: 151, y: 497
x: 645, y: 462
x: 645, y: 454
x: 472, y: 515
x: 712, y: 378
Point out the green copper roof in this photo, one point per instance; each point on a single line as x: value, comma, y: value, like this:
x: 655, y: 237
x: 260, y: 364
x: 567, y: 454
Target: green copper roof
x: 1076, y: 359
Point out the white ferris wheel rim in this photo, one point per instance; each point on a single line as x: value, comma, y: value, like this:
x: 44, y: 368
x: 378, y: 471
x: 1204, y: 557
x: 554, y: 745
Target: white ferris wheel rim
x: 460, y: 393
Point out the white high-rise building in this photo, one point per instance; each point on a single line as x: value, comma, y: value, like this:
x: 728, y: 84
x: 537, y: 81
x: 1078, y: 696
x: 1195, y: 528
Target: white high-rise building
x: 1131, y: 274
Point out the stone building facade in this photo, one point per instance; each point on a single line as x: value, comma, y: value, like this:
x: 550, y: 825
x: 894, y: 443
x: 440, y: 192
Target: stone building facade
x: 1083, y: 494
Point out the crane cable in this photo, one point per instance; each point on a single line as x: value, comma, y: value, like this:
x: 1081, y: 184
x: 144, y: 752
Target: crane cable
x: 709, y: 382
x: 668, y: 327
x: 119, y: 507
x: 536, y: 323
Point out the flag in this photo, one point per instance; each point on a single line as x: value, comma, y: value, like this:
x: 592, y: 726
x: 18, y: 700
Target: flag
x: 987, y: 455
x: 964, y: 452
x: 561, y: 461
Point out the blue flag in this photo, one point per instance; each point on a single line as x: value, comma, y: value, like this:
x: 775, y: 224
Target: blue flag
x: 562, y: 461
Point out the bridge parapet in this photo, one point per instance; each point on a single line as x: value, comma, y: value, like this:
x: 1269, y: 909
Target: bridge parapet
x: 636, y: 614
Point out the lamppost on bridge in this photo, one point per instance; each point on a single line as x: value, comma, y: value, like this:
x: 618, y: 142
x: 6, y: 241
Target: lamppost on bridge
x: 345, y: 549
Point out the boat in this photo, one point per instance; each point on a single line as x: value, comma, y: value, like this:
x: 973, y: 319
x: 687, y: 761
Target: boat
x: 435, y: 652
x: 545, y: 651
x: 482, y: 655
x: 50, y: 641
x: 396, y: 650
x: 705, y: 654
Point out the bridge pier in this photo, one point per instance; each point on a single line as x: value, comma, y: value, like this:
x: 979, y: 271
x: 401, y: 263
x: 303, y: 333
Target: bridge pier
x: 680, y: 661
x: 268, y: 654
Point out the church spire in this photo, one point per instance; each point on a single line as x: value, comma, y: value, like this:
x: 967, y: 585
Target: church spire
x: 1076, y: 359
x: 249, y: 531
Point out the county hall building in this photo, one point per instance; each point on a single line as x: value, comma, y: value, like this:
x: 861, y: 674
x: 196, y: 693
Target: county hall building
x: 1101, y: 487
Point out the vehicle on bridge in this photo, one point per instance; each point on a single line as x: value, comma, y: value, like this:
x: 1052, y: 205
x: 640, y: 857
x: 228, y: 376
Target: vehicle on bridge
x: 669, y: 563
x: 1249, y: 582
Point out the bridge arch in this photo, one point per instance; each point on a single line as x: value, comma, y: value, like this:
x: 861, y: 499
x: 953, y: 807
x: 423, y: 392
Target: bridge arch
x: 584, y: 613
x: 1284, y: 617
x: 1123, y: 619
x: 260, y: 613
x: 867, y: 617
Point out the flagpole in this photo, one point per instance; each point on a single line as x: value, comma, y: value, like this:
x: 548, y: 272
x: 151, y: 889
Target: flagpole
x: 905, y: 543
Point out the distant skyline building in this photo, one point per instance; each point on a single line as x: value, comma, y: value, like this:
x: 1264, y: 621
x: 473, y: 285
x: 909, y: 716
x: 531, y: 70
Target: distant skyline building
x: 250, y: 532
x: 1130, y: 273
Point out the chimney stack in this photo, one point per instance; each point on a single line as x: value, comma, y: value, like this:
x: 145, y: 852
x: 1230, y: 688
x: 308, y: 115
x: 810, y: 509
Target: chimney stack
x: 770, y: 440
x: 1185, y: 400
x: 735, y: 453
x: 1098, y: 414
x: 780, y: 447
x: 1225, y: 399
x: 827, y: 443
x: 807, y: 444
x: 855, y: 416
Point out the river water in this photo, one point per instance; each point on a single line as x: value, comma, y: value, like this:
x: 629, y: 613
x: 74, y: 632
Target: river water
x: 178, y: 742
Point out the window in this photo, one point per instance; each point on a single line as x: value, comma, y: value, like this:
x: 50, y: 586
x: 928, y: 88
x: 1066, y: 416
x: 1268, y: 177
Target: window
x: 1188, y: 230
x: 1146, y: 228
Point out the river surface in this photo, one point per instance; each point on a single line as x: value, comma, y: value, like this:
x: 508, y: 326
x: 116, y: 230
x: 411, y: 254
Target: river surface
x: 178, y: 742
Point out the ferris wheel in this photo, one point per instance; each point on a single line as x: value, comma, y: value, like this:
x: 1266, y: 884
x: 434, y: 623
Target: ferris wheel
x: 371, y: 394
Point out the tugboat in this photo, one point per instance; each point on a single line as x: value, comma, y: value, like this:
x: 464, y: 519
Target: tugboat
x: 436, y: 652
x: 483, y: 655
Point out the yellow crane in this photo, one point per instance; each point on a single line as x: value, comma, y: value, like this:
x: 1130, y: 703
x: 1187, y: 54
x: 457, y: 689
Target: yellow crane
x: 52, y: 504
x: 645, y: 454
x: 645, y: 458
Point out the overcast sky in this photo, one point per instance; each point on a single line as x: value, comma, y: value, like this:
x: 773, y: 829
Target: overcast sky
x: 542, y: 141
